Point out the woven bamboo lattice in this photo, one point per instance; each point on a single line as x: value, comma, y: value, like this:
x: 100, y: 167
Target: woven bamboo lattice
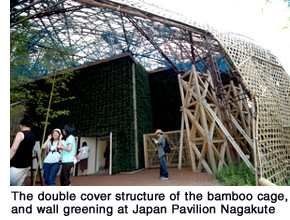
x: 172, y: 159
x: 270, y: 85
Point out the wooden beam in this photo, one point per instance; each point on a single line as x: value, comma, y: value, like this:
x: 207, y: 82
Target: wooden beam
x: 203, y: 120
x: 229, y: 137
x: 241, y: 130
x: 192, y: 155
x: 181, y: 142
x: 122, y: 8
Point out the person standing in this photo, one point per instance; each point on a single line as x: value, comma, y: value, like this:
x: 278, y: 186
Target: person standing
x: 85, y: 149
x: 68, y: 154
x: 21, y: 152
x: 161, y: 154
x: 107, y: 157
x: 52, y: 161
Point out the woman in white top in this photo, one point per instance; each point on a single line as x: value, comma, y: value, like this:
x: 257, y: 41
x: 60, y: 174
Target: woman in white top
x: 84, y: 155
x: 52, y: 161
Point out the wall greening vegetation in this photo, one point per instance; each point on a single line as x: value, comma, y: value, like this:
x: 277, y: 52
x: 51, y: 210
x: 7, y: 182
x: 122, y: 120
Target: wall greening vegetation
x: 165, y: 100
x: 144, y: 109
x: 104, y: 102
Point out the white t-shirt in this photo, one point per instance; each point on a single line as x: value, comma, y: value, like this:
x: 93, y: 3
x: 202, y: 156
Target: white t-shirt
x: 53, y: 154
x: 85, y: 153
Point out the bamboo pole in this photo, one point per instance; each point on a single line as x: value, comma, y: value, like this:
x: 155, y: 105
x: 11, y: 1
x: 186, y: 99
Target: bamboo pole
x: 229, y: 137
x: 208, y: 143
x: 192, y: 154
x: 181, y: 142
x: 45, y: 126
x: 122, y: 8
x: 255, y: 138
x: 265, y: 182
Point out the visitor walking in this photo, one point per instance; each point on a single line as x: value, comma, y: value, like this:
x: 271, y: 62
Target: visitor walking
x: 21, y: 152
x: 83, y: 158
x: 161, y: 154
x: 68, y: 154
x: 52, y: 161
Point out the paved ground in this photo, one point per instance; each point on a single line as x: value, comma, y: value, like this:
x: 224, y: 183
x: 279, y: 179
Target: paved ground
x: 147, y: 177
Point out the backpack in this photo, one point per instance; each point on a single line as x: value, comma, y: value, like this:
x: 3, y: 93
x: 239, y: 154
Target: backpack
x: 166, y: 147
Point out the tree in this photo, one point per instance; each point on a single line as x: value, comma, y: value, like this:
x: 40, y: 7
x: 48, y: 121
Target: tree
x: 28, y: 62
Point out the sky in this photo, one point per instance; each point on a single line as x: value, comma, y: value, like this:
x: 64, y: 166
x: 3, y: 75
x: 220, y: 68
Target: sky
x: 266, y: 22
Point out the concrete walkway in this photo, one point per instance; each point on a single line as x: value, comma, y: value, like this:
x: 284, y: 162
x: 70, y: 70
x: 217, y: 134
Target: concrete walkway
x: 146, y: 177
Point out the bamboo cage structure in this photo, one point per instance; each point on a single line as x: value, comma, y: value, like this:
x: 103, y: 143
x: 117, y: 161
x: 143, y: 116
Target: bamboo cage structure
x: 173, y: 159
x: 209, y: 140
x: 235, y: 94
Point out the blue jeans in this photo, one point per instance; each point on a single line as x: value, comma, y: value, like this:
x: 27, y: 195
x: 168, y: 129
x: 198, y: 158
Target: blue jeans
x: 50, y: 172
x: 163, y: 168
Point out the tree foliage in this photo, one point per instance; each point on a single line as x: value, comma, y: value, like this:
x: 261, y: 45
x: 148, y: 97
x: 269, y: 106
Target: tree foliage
x: 28, y: 62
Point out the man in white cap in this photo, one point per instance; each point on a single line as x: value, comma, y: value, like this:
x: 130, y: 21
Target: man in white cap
x: 161, y: 154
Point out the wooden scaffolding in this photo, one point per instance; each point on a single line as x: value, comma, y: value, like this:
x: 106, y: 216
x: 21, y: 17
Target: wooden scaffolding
x: 211, y: 144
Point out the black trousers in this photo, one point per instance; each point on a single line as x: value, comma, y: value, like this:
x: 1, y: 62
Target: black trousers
x: 65, y: 174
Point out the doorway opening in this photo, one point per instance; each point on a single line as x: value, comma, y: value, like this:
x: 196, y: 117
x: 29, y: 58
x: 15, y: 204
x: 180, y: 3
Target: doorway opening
x: 103, y: 155
x: 100, y: 154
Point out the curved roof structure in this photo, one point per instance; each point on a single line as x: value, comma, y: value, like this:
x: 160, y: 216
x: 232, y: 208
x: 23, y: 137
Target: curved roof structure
x: 91, y: 30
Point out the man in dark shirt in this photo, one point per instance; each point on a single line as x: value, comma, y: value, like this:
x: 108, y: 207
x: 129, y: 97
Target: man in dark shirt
x: 21, y: 152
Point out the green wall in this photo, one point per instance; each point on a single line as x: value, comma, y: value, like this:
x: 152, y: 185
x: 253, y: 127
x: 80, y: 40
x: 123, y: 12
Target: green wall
x: 103, y: 103
x: 165, y: 100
